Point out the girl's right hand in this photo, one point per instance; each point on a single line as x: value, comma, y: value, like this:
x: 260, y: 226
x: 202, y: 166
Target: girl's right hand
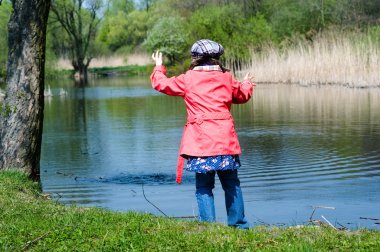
x: 157, y: 57
x: 249, y: 77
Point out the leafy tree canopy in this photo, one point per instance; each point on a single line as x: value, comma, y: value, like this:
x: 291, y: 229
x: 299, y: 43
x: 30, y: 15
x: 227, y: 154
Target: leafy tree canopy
x: 227, y: 26
x: 170, y: 36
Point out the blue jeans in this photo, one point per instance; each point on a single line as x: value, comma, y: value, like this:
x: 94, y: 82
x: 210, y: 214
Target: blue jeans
x: 233, y: 197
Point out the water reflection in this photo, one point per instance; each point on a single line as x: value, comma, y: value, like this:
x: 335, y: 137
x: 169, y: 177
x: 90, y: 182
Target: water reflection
x: 311, y: 133
x: 301, y: 147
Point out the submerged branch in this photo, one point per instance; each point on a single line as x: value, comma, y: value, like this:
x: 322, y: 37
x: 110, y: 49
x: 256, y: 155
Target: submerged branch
x: 364, y: 218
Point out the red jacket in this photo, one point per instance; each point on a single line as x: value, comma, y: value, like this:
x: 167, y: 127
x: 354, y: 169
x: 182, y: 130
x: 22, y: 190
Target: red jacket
x: 208, y: 95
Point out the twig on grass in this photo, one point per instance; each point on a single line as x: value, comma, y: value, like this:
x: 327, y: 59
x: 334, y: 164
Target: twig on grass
x: 29, y: 243
x: 185, y: 217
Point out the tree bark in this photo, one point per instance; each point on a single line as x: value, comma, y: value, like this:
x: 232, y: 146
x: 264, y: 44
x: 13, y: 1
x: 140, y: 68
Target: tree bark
x: 82, y: 75
x: 21, y: 117
x: 81, y: 72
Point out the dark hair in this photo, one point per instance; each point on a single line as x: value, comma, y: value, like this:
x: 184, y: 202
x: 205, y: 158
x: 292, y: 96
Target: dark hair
x: 200, y: 61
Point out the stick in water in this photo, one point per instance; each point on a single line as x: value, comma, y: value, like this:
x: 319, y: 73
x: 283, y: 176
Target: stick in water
x: 331, y: 225
x: 142, y: 185
x: 315, y: 208
x: 365, y: 218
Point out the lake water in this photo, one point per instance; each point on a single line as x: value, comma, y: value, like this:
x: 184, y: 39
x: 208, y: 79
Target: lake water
x: 107, y: 144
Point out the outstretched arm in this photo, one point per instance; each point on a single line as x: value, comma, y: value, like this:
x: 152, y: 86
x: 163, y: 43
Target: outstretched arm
x: 242, y: 91
x: 171, y: 86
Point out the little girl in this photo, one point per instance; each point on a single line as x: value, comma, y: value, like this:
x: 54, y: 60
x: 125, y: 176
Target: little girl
x: 209, y: 141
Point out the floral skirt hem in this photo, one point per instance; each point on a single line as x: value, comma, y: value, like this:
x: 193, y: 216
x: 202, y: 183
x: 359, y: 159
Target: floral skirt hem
x: 213, y: 163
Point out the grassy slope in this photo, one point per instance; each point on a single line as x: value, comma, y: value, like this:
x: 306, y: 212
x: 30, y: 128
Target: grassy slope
x: 32, y: 221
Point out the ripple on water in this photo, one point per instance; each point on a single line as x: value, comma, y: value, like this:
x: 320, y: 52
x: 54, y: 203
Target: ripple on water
x: 328, y: 168
x: 148, y: 179
x: 303, y: 164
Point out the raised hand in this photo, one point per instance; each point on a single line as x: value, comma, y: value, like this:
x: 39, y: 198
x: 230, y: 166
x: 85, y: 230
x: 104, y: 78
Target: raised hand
x: 157, y: 57
x: 248, y: 76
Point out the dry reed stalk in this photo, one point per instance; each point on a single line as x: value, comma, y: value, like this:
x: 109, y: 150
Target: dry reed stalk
x: 63, y: 64
x: 112, y: 61
x: 344, y: 60
x: 140, y: 59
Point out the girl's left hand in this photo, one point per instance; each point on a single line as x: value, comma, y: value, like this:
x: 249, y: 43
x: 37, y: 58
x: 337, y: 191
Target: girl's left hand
x: 157, y: 57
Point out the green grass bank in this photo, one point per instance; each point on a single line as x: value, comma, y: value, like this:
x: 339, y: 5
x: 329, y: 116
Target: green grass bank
x: 32, y: 221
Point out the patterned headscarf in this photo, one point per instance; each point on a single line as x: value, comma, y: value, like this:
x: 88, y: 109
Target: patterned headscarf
x: 208, y: 48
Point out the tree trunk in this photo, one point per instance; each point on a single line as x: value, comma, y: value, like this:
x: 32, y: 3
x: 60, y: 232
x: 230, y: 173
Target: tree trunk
x: 83, y: 79
x: 81, y: 73
x: 21, y: 116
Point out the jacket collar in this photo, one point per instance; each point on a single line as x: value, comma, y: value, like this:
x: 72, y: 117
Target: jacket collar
x: 207, y: 68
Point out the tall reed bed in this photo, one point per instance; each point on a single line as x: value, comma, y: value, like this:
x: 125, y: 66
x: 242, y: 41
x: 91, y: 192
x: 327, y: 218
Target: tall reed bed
x: 350, y: 59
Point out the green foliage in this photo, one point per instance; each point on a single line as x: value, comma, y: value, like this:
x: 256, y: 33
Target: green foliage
x: 374, y: 35
x: 57, y: 45
x: 307, y: 16
x: 228, y: 27
x: 125, y: 6
x: 5, y: 12
x: 180, y: 7
x: 169, y: 35
x: 30, y: 220
x: 123, y: 30
x: 357, y: 13
x: 57, y: 40
x: 260, y: 32
x: 6, y: 110
x: 113, y: 33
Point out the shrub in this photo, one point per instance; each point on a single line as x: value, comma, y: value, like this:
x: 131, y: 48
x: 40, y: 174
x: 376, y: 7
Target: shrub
x: 170, y: 37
